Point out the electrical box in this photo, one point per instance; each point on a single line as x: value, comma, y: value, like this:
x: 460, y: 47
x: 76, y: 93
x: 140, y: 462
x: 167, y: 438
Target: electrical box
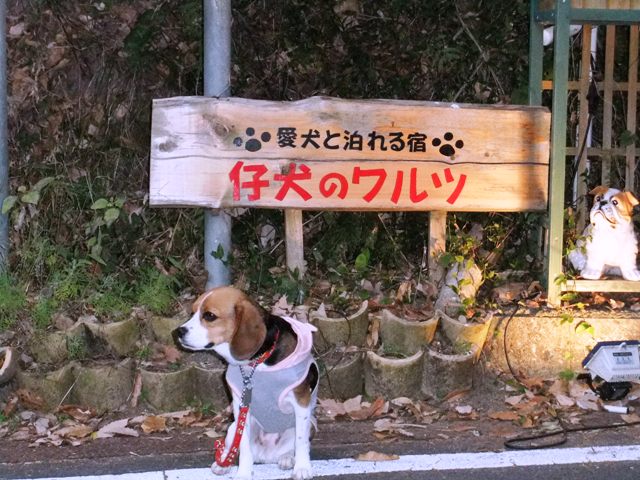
x: 614, y: 361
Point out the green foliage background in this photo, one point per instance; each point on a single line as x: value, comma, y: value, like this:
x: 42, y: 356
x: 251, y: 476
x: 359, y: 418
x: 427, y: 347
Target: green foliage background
x: 82, y: 78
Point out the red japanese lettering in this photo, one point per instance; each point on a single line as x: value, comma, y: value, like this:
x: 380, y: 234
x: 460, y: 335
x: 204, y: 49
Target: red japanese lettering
x: 332, y: 182
x: 397, y: 188
x: 289, y: 181
x: 435, y: 178
x: 414, y: 196
x: 255, y: 184
x: 374, y: 172
x: 456, y: 192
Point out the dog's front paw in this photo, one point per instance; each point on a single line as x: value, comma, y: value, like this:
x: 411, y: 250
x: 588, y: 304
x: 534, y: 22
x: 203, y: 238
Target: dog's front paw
x: 286, y: 462
x: 591, y: 273
x: 302, y: 472
x: 218, y: 470
x: 631, y: 274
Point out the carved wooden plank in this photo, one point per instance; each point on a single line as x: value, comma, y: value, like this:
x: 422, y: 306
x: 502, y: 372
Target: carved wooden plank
x: 332, y: 154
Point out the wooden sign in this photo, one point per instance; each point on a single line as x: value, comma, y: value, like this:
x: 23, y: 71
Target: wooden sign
x: 333, y: 154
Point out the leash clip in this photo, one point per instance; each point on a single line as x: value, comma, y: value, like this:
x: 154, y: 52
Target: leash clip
x: 245, y: 400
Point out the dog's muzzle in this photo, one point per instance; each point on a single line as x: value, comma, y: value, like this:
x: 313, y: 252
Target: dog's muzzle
x: 178, y: 334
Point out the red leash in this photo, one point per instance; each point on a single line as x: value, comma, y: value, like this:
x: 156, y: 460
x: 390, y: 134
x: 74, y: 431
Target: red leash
x: 245, y: 401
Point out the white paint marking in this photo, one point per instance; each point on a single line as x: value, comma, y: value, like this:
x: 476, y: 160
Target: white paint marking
x: 415, y: 463
x: 124, y: 476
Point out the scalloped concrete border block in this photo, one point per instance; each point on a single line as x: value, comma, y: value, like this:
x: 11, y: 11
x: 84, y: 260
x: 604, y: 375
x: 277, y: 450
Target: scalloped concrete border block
x: 120, y: 337
x: 9, y: 359
x: 161, y: 327
x: 473, y: 332
x: 50, y: 386
x: 48, y: 348
x: 341, y: 331
x: 104, y: 387
x: 168, y: 390
x: 342, y: 379
x: 210, y: 387
x: 393, y: 377
x: 400, y: 335
x: 444, y: 374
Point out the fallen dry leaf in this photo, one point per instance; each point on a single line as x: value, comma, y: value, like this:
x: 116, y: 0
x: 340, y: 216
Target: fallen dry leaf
x: 10, y: 406
x: 514, y: 399
x: 464, y: 409
x: 533, y: 383
x: 588, y: 404
x: 372, y: 456
x: 30, y: 399
x: 171, y: 353
x: 506, y: 415
x: 154, y: 424
x: 631, y: 418
x: 616, y: 304
x: 77, y: 431
x: 565, y: 400
x: 119, y: 427
x: 377, y: 408
x: 82, y: 414
x: 331, y: 408
x: 353, y: 404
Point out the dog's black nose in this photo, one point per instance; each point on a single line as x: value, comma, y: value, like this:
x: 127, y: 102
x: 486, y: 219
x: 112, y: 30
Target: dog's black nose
x: 179, y: 333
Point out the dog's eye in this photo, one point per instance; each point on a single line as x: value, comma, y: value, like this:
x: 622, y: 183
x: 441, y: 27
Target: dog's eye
x: 615, y: 202
x: 598, y: 198
x: 209, y: 317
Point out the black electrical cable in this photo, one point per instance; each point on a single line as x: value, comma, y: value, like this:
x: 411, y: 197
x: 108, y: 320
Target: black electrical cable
x: 563, y: 431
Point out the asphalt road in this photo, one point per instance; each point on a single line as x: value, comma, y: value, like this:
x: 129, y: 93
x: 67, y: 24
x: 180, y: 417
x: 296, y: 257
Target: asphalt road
x: 579, y: 463
x: 179, y: 456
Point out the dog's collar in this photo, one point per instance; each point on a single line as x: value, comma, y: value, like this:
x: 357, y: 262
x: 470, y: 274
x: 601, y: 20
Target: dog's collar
x: 264, y: 356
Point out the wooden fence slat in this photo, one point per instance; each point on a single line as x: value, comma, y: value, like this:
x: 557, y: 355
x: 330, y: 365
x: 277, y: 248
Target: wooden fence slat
x: 632, y: 102
x: 581, y: 186
x: 607, y: 120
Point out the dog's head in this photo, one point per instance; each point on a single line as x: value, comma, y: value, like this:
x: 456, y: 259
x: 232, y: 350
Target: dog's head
x: 224, y: 320
x: 611, y: 206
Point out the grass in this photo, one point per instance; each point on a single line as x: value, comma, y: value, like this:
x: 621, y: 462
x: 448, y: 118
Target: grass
x: 156, y: 291
x: 77, y: 348
x: 12, y: 301
x: 43, y: 312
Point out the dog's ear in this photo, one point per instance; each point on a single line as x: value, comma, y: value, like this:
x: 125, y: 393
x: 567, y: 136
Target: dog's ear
x: 631, y: 198
x: 599, y: 190
x: 250, y: 330
x: 627, y: 202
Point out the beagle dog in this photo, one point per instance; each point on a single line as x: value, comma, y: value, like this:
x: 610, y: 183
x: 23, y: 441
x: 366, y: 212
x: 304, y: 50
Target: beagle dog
x: 609, y: 244
x: 271, y: 371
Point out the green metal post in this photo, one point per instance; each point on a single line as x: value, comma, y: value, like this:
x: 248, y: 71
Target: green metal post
x: 535, y: 57
x: 558, y: 148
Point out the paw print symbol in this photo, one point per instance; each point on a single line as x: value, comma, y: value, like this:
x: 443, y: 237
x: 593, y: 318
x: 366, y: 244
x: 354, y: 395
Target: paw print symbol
x: 447, y: 149
x: 253, y: 144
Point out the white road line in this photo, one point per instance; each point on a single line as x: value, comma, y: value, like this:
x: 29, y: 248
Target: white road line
x: 407, y: 463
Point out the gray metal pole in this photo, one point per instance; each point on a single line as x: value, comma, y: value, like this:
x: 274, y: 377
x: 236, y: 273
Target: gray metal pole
x: 4, y: 150
x: 217, y: 83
